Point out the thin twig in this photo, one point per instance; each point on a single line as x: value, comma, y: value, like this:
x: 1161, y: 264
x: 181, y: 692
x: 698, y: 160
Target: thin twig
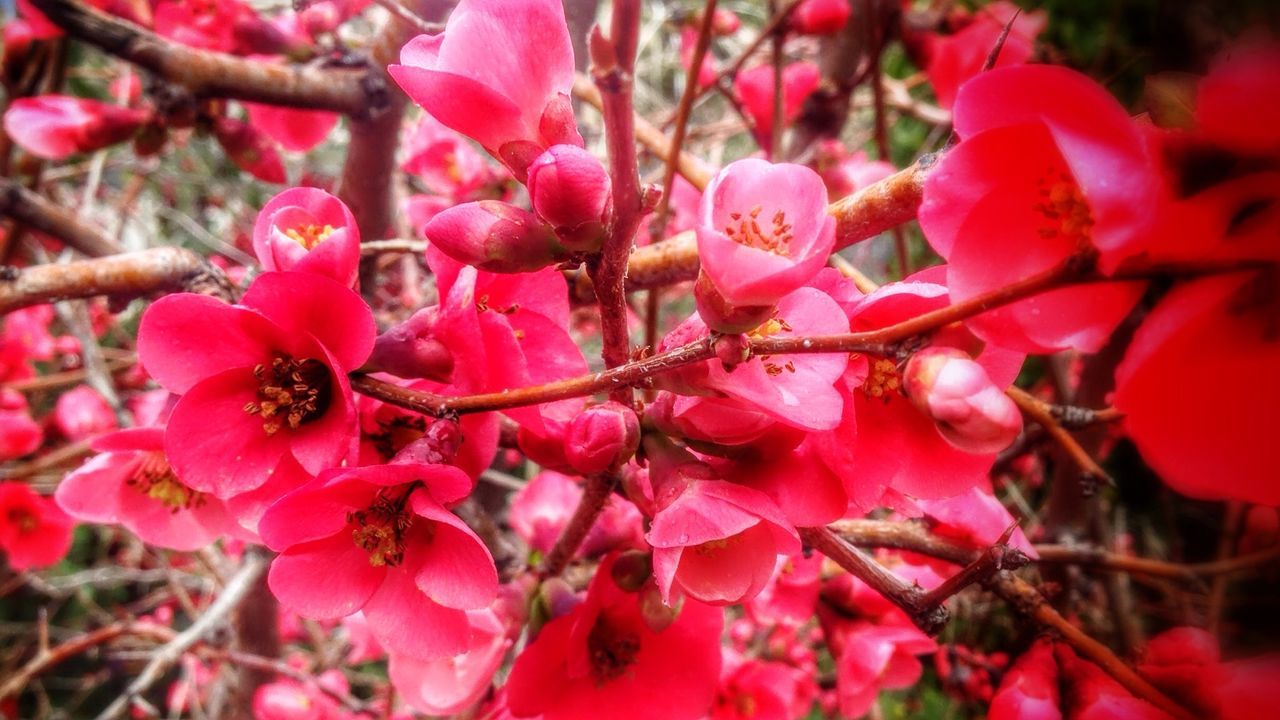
x: 598, y: 490
x: 1039, y: 411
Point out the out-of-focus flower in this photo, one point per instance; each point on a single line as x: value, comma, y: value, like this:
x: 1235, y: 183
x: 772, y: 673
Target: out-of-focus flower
x: 34, y: 532
x: 55, y: 127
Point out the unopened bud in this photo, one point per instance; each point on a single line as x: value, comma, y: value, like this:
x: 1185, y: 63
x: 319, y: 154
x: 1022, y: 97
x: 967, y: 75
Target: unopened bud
x: 495, y: 236
x: 56, y: 126
x: 723, y: 316
x: 570, y: 190
x: 438, y: 445
x: 955, y: 391
x: 657, y: 615
x: 632, y: 570
x: 602, y: 437
x: 411, y: 350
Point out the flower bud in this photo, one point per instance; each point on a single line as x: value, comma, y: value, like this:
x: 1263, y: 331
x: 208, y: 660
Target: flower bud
x: 602, y: 437
x: 410, y: 349
x: 81, y: 413
x: 820, y: 17
x: 970, y: 411
x: 250, y: 149
x: 438, y: 445
x: 570, y: 190
x: 495, y: 236
x: 56, y: 126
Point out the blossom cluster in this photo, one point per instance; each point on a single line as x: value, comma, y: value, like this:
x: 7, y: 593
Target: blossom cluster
x: 699, y: 599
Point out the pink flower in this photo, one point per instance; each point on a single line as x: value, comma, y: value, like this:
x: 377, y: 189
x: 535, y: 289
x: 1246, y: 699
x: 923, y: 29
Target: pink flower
x: 1049, y: 166
x: 308, y: 230
x: 971, y: 412
x: 450, y: 685
x: 975, y: 517
x: 1215, y: 327
x: 292, y: 700
x: 379, y: 539
x: 570, y: 189
x: 603, y: 437
x: 19, y: 433
x: 897, y: 446
x: 131, y: 484
x: 297, y: 130
x: 500, y: 73
x: 55, y: 127
x: 846, y: 172
x: 752, y: 689
x: 446, y: 164
x: 250, y: 149
x: 763, y: 231
x: 755, y: 89
x: 1029, y: 690
x: 603, y: 659
x: 34, y: 532
x: 82, y: 412
x: 541, y: 509
x: 260, y: 380
x: 1095, y: 695
x: 688, y: 42
x: 820, y: 17
x: 791, y: 595
x: 956, y: 58
x: 715, y: 541
x: 494, y: 236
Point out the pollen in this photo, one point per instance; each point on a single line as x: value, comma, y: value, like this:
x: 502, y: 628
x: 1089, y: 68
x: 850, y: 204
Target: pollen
x: 746, y: 230
x: 1065, y: 209
x: 883, y: 380
x: 380, y: 529
x: 309, y: 236
x: 290, y: 392
x: 612, y: 650
x: 154, y: 478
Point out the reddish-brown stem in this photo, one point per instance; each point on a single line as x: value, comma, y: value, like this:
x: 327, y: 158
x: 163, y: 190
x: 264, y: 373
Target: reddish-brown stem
x: 1188, y: 572
x: 213, y: 74
x: 1041, y: 412
x: 779, y: 38
x: 35, y: 212
x: 127, y: 274
x: 910, y: 598
x: 599, y: 488
x: 994, y: 559
x: 613, y: 69
x: 50, y: 657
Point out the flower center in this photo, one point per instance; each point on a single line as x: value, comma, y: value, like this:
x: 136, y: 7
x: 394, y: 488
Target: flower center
x: 1065, y: 209
x: 380, y: 528
x: 24, y: 519
x: 154, y: 478
x: 777, y: 239
x: 612, y: 651
x: 769, y: 328
x: 309, y: 236
x: 290, y: 392
x: 882, y: 380
x: 746, y: 705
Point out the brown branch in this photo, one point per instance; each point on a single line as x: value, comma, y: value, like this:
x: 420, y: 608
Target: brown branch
x: 1186, y: 572
x: 929, y: 617
x: 595, y: 495
x: 49, y: 657
x: 653, y: 139
x: 214, y: 74
x: 127, y: 274
x: 613, y: 70
x: 994, y: 559
x: 35, y: 212
x: 1041, y: 412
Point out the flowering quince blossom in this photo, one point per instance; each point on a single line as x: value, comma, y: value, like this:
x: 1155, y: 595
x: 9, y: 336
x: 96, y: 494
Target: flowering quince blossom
x: 754, y: 87
x: 55, y: 127
x: 296, y: 130
x: 542, y: 507
x: 34, y: 532
x: 763, y: 232
x: 447, y: 164
x: 131, y: 483
x: 275, y: 383
x: 820, y: 17
x: 1051, y: 166
x: 603, y: 657
x: 82, y: 412
x: 495, y: 236
x: 956, y: 58
x: 308, y: 230
x: 953, y: 390
x: 500, y: 73
x: 1030, y: 688
x: 19, y: 433
x: 450, y: 685
x: 753, y: 689
x: 1223, y: 325
x: 379, y: 539
x: 292, y: 700
x: 570, y: 189
x: 897, y: 446
x: 251, y: 149
x: 715, y: 541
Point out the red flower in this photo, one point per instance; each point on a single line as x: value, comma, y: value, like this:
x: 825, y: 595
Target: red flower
x: 57, y: 126
x: 308, y: 230
x: 500, y: 73
x: 954, y: 59
x: 296, y: 130
x: 820, y: 17
x: 19, y: 433
x: 258, y: 380
x: 1206, y: 441
x: 250, y: 149
x: 379, y: 539
x: 755, y: 89
x: 1049, y: 166
x: 1029, y: 690
x: 131, y: 483
x: 603, y: 659
x: 34, y: 532
x: 82, y: 412
x: 1238, y: 102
